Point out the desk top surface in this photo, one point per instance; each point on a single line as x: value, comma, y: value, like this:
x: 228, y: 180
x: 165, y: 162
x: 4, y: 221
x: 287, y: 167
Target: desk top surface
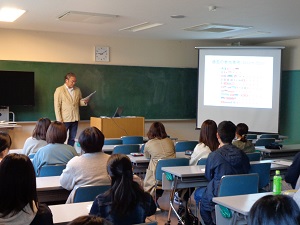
x: 285, y: 148
x: 143, y: 159
x: 48, y: 183
x: 240, y: 203
x: 67, y: 212
x: 185, y: 171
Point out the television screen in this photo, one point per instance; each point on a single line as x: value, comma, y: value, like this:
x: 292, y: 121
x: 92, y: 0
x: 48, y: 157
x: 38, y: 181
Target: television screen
x: 241, y: 84
x: 17, y: 88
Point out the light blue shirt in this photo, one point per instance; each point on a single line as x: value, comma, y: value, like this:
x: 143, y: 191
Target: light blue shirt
x: 53, y: 154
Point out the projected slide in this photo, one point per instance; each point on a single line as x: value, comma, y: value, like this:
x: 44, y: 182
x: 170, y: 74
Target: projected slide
x: 240, y: 84
x: 238, y: 81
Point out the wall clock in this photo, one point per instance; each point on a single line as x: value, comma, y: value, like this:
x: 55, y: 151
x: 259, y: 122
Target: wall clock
x: 101, y: 54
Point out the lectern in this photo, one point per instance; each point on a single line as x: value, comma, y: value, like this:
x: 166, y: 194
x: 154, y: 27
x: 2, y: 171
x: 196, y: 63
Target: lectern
x: 116, y: 127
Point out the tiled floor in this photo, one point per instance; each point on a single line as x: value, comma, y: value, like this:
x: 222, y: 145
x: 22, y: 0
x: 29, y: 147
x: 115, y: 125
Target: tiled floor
x: 162, y: 217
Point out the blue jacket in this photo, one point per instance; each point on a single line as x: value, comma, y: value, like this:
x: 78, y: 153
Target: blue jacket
x: 227, y: 160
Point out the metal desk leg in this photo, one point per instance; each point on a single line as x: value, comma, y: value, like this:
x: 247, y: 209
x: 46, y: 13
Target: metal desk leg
x: 172, y: 193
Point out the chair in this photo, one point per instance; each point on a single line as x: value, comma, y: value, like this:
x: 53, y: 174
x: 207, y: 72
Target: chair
x: 126, y: 149
x: 254, y: 156
x: 167, y: 163
x: 264, y: 141
x: 142, y: 148
x: 31, y: 155
x: 88, y: 193
x: 182, y: 146
x: 51, y: 170
x: 235, y: 185
x: 251, y: 136
x: 276, y: 136
x: 132, y: 140
x: 113, y: 142
x: 263, y: 171
x: 202, y: 161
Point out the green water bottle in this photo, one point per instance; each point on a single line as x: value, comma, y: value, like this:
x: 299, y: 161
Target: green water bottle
x: 277, y: 183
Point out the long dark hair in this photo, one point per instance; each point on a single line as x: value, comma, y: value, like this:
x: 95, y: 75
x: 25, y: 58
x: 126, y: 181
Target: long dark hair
x: 18, y: 184
x: 126, y: 193
x: 208, y: 134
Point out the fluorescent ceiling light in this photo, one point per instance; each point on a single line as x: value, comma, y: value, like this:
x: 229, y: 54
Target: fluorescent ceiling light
x: 87, y: 17
x: 10, y: 14
x: 141, y: 26
x: 253, y: 34
x: 216, y: 28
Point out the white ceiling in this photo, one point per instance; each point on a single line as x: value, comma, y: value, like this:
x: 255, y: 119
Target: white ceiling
x: 273, y: 19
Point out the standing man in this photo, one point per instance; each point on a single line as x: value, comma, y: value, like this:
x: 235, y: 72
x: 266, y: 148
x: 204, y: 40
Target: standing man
x: 67, y: 99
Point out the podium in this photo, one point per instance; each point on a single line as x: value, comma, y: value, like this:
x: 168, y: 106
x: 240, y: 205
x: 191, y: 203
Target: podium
x: 116, y: 127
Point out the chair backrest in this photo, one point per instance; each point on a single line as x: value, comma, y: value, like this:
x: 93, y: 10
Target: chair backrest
x: 168, y: 163
x: 113, y: 142
x: 88, y: 193
x: 31, y: 155
x: 263, y: 171
x: 264, y: 141
x: 126, y: 149
x: 51, y: 170
x: 142, y: 148
x: 132, y: 140
x: 239, y: 184
x: 251, y: 136
x: 202, y: 161
x: 253, y: 156
x: 182, y: 146
x: 276, y: 136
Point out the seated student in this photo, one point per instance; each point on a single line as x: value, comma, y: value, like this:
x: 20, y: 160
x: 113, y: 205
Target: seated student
x: 273, y: 210
x: 226, y: 160
x: 89, y: 220
x: 55, y: 152
x: 90, y: 167
x: 159, y: 146
x: 126, y: 202
x: 208, y: 143
x: 293, y: 171
x: 38, y: 138
x: 5, y: 143
x: 241, y: 139
x: 19, y: 204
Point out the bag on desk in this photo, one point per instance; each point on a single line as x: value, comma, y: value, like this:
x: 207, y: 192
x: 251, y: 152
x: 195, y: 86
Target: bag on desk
x: 273, y: 146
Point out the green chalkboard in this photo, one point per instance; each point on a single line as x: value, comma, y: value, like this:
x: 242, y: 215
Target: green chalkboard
x: 151, y: 92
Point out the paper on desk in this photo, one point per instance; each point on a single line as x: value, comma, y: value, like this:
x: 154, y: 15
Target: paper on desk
x: 88, y: 97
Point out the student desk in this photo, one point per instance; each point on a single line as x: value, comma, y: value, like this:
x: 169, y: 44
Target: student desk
x: 183, y: 177
x: 49, y: 190
x: 287, y: 151
x: 64, y: 213
x: 238, y: 204
x: 140, y: 163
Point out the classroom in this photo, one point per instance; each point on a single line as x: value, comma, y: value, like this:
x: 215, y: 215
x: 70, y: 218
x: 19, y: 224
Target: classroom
x: 45, y: 48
